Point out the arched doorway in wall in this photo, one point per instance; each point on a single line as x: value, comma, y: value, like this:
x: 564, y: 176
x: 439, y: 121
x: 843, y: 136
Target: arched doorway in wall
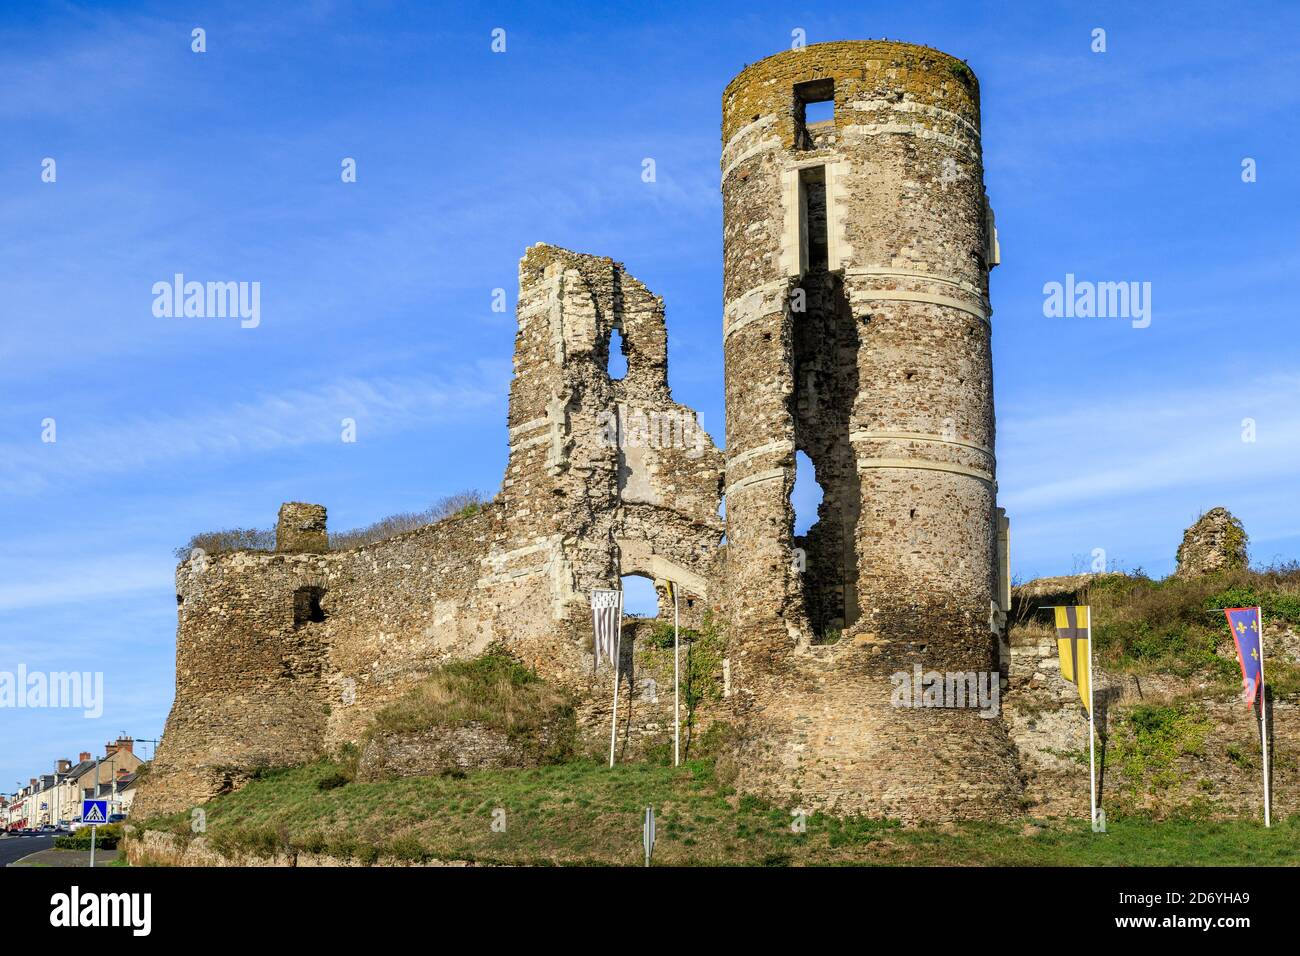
x: 640, y: 611
x: 640, y: 599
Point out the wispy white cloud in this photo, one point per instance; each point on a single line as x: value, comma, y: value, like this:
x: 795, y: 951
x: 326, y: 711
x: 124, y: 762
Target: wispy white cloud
x: 1113, y: 449
x: 91, y: 448
x: 89, y: 579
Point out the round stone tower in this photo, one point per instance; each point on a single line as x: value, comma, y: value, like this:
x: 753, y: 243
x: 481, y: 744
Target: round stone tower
x: 857, y: 246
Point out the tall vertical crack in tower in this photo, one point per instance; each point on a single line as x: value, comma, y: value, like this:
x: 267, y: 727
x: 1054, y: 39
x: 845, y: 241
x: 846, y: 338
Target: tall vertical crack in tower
x: 857, y: 245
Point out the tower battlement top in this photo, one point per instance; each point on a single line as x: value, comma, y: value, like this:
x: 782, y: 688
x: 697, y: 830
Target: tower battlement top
x: 928, y: 75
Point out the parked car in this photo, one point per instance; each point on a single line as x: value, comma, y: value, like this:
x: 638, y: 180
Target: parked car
x: 116, y: 817
x: 75, y: 825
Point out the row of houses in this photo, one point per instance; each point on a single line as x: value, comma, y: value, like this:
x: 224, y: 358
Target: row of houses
x: 56, y: 797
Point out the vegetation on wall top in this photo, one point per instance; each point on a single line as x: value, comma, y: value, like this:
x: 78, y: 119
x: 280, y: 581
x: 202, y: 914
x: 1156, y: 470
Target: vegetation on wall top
x: 459, y: 505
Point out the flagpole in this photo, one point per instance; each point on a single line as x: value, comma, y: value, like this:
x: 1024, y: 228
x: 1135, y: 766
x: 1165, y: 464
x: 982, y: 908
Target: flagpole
x: 677, y: 680
x: 1092, y: 722
x: 1263, y: 716
x: 618, y: 640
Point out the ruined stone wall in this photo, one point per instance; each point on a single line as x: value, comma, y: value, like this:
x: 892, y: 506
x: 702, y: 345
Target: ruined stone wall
x: 1216, y: 542
x: 1213, y: 768
x: 607, y: 477
x: 856, y: 254
x: 283, y: 656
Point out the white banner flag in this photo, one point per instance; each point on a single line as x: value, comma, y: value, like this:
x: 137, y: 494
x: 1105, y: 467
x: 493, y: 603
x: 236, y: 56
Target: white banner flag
x: 604, y: 610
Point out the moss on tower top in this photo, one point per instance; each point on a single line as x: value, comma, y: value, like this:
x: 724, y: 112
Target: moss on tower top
x: 919, y: 73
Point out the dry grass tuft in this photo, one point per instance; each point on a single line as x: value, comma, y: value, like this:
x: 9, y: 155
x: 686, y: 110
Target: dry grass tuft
x: 459, y: 505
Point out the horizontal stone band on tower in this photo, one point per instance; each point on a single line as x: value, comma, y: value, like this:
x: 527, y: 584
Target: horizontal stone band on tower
x: 864, y: 434
x: 905, y: 295
x: 923, y: 464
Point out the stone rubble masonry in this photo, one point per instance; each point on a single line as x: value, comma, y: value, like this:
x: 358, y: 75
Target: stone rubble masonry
x: 1216, y: 542
x: 301, y: 527
x: 160, y: 848
x: 283, y: 656
x: 856, y: 330
x: 442, y: 751
x: 1220, y: 778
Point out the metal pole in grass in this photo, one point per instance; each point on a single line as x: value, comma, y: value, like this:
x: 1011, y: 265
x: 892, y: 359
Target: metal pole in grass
x: 1263, y: 717
x: 648, y: 834
x: 677, y: 680
x: 1092, y: 731
x: 618, y: 657
x: 1261, y: 693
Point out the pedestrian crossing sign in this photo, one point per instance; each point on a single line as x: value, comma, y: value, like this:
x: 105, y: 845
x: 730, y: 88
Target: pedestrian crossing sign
x: 94, y: 811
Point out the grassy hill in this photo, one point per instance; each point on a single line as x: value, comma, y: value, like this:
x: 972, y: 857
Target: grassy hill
x: 586, y: 814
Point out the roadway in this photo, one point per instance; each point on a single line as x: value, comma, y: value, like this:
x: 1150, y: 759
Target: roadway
x: 15, y: 846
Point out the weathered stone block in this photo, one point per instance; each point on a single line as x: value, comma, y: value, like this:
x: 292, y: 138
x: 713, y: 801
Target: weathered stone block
x: 1216, y: 542
x: 301, y: 527
x: 444, y: 751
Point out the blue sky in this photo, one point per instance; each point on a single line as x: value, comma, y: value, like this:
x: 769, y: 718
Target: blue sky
x: 376, y: 295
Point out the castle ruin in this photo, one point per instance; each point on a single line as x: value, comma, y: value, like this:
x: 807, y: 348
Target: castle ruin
x: 855, y: 330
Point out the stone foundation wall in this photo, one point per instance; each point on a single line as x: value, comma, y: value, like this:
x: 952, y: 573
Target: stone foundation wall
x: 158, y: 848
x: 453, y: 750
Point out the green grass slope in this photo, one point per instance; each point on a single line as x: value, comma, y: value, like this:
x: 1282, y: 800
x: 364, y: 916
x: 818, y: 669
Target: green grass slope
x: 587, y: 814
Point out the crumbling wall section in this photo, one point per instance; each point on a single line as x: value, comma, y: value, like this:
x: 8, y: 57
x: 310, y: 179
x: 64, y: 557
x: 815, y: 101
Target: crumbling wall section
x: 1213, y: 770
x: 283, y: 656
x: 606, y: 476
x: 1215, y: 542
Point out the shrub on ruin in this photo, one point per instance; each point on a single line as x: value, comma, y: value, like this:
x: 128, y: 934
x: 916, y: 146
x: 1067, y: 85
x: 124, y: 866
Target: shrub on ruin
x: 720, y: 738
x: 702, y: 651
x: 1148, y: 742
x: 662, y: 636
x: 1175, y: 625
x: 231, y: 539
x: 1276, y: 591
x: 460, y: 505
